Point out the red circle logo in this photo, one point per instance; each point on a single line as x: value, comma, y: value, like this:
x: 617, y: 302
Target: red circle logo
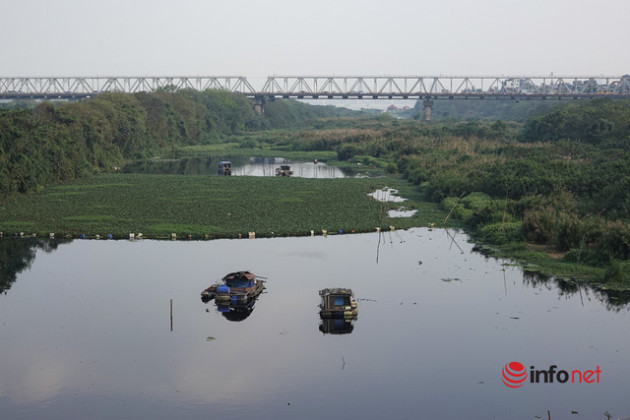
x: 514, y: 374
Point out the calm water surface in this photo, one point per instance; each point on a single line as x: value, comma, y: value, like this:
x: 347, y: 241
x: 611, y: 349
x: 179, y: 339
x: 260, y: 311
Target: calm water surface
x: 87, y: 333
x: 241, y: 166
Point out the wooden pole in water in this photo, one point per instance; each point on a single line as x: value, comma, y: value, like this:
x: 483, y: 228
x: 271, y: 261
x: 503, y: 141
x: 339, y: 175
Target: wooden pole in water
x: 171, y: 314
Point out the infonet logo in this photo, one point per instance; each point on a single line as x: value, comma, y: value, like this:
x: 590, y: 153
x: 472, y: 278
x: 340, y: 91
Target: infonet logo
x: 514, y: 375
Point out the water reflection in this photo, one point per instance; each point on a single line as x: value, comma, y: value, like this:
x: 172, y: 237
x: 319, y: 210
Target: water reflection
x: 335, y: 326
x: 18, y: 254
x: 238, y: 166
x: 236, y: 312
x: 84, y: 330
x: 615, y: 300
x: 233, y: 311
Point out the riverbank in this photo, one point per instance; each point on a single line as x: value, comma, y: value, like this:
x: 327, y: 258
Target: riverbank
x: 119, y: 206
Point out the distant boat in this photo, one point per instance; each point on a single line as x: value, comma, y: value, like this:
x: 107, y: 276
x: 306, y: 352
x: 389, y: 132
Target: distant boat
x: 284, y: 170
x: 235, y: 288
x: 338, y: 303
x: 225, y: 167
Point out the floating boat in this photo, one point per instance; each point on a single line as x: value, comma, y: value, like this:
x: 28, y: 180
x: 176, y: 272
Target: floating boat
x: 338, y: 303
x: 235, y: 288
x: 225, y: 167
x: 284, y: 170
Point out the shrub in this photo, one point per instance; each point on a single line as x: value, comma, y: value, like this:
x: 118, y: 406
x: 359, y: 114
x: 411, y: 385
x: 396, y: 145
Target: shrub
x: 615, y: 239
x: 538, y: 224
x: 501, y: 233
x: 614, y: 273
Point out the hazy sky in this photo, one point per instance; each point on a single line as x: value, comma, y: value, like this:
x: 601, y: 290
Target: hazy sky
x: 322, y: 37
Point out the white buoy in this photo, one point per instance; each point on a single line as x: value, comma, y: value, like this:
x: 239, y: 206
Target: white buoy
x: 51, y: 235
x: 173, y: 236
x: 132, y: 235
x: 312, y: 232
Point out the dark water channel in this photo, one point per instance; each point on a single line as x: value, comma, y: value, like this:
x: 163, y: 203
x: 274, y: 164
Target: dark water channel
x: 87, y: 332
x: 241, y: 166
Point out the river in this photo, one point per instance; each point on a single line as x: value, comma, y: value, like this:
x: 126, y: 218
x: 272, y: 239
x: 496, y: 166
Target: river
x: 88, y: 332
x: 240, y: 166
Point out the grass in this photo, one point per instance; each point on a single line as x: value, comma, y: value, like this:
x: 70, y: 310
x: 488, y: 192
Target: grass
x: 201, y: 206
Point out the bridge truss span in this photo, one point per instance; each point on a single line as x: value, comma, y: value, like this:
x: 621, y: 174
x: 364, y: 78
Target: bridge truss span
x: 450, y: 87
x: 331, y: 87
x: 78, y: 87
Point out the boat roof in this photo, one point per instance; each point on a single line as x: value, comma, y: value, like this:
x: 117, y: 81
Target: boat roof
x: 239, y: 275
x: 336, y: 291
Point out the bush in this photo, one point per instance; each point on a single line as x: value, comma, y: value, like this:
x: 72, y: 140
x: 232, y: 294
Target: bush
x: 538, y: 225
x: 347, y: 151
x: 458, y: 210
x: 615, y: 239
x: 614, y: 273
x: 501, y: 233
x: 477, y: 201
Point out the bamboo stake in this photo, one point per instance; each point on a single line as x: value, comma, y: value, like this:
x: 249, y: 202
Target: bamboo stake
x: 580, y: 253
x: 504, y: 211
x: 453, y: 208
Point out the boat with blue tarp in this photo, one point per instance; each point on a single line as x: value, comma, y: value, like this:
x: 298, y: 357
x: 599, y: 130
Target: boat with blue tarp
x: 238, y: 287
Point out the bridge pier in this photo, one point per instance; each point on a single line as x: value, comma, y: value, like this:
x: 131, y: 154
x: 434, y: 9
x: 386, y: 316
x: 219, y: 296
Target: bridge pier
x: 259, y: 105
x: 428, y: 109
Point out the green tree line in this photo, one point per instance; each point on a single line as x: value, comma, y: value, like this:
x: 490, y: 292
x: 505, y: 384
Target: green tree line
x: 56, y: 142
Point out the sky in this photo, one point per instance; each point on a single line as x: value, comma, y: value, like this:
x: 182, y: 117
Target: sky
x: 259, y: 38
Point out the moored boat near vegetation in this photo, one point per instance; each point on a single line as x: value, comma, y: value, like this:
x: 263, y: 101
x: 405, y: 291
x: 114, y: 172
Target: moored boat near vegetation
x: 237, y: 287
x: 225, y: 167
x: 284, y: 170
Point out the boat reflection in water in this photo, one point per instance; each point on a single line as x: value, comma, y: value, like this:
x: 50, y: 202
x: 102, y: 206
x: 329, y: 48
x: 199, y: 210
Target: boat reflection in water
x: 236, y: 312
x: 235, y: 295
x: 337, y: 310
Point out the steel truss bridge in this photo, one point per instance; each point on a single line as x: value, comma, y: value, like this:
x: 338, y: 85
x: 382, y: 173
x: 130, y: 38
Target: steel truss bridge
x: 328, y: 87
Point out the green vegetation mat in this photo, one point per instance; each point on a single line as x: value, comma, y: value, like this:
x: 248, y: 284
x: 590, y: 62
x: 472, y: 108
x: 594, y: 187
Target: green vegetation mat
x: 203, y: 207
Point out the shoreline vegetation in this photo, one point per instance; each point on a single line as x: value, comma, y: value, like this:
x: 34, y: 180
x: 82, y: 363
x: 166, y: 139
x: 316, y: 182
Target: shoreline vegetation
x: 548, y: 186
